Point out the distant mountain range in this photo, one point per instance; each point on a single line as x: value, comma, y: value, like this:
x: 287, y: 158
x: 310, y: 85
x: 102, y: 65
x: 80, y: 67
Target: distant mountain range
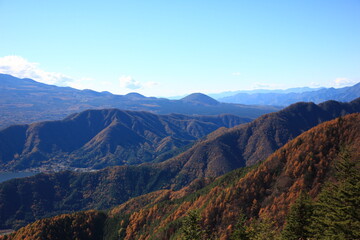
x: 259, y: 195
x: 26, y: 101
x: 220, y: 152
x: 282, y: 91
x: 232, y: 93
x: 101, y: 138
x: 286, y: 98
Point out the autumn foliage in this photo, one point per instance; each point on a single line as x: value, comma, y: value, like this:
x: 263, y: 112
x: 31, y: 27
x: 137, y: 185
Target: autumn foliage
x: 81, y: 225
x: 302, y: 165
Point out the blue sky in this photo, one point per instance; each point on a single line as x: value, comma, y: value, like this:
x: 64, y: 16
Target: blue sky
x: 169, y: 48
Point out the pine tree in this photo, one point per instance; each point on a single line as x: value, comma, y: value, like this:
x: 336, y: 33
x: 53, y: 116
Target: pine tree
x: 262, y: 229
x: 298, y: 219
x: 191, y: 227
x: 241, y: 231
x: 337, y: 212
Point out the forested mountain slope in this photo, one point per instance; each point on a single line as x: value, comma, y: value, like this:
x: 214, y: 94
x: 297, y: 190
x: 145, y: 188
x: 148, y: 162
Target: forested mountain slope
x: 302, y: 165
x: 247, y: 144
x: 263, y: 193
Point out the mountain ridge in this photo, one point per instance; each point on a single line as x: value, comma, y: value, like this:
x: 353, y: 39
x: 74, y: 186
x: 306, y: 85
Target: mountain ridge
x: 247, y: 144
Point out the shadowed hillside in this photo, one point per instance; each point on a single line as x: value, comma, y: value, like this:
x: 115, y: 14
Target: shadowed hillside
x: 100, y: 138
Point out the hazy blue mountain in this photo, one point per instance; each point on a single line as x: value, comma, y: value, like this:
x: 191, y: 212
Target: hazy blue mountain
x: 284, y: 99
x: 199, y: 98
x: 25, y: 101
x: 289, y: 90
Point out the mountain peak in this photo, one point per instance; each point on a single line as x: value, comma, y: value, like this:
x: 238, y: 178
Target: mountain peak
x: 134, y: 95
x: 200, y: 98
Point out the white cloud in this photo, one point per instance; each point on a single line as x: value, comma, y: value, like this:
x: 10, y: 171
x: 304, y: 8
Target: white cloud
x: 315, y: 85
x: 150, y: 84
x: 22, y: 68
x: 342, y: 82
x: 235, y: 74
x: 129, y: 82
x: 258, y: 85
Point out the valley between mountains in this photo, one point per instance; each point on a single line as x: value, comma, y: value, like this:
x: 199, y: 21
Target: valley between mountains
x: 108, y: 173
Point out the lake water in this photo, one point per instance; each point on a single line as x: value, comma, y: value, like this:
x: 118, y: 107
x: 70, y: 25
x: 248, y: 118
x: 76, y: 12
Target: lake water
x: 4, y: 176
